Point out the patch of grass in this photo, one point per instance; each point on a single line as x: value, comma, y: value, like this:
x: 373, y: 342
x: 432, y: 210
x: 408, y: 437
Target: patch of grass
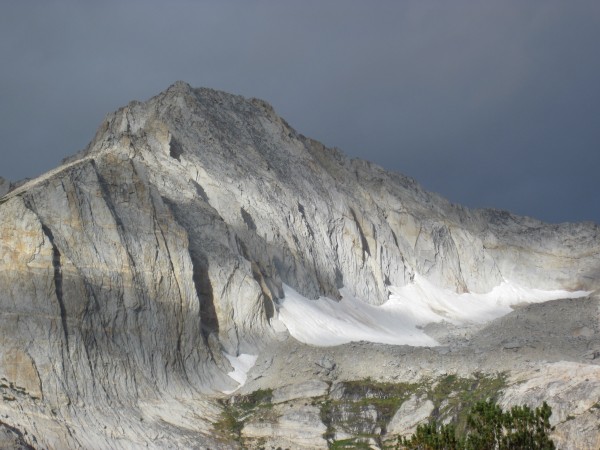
x: 385, y: 397
x: 326, y: 414
x: 352, y: 443
x: 371, y: 389
x: 452, y: 396
x: 229, y: 425
x: 348, y: 413
x: 240, y: 408
x: 260, y: 397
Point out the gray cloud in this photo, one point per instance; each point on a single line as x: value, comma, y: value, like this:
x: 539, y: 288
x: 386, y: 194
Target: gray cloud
x: 491, y: 104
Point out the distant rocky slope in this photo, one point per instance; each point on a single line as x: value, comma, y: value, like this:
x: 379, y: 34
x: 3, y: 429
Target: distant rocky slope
x: 131, y: 275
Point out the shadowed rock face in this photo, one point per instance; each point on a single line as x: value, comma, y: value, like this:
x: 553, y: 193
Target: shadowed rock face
x: 128, y: 271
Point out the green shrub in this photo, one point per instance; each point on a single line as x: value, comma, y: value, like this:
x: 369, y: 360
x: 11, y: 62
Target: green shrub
x: 488, y: 427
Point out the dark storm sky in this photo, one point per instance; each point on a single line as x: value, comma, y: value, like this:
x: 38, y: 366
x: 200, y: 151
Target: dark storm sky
x: 489, y: 103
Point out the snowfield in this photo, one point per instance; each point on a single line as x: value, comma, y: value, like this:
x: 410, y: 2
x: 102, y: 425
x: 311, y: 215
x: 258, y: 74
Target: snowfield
x: 326, y: 322
x: 241, y: 365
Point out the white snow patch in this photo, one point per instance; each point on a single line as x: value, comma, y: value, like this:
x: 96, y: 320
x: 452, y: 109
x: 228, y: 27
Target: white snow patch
x: 325, y: 322
x: 430, y: 303
x: 241, y: 365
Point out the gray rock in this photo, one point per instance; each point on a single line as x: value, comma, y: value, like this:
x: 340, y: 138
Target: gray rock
x: 308, y: 389
x: 337, y: 391
x: 290, y: 426
x: 512, y: 345
x: 412, y: 412
x: 326, y: 363
x: 355, y: 420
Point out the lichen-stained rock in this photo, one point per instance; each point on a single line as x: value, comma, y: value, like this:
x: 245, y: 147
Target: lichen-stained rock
x: 127, y: 272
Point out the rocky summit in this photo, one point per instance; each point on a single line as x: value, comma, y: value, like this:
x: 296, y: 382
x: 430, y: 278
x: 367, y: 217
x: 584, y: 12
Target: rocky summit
x: 203, y: 276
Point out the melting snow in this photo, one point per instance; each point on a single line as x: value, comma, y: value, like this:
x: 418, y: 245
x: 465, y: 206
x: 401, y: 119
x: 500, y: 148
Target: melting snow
x: 325, y: 322
x: 241, y: 365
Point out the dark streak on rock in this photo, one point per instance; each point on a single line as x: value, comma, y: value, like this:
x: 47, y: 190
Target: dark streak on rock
x: 14, y: 437
x: 248, y: 220
x: 302, y: 212
x: 260, y: 278
x: 395, y: 238
x: 200, y: 190
x: 58, y: 281
x: 106, y: 196
x: 363, y: 239
x: 175, y: 149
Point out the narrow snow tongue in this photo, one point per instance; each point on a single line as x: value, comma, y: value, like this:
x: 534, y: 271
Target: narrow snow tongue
x: 241, y: 366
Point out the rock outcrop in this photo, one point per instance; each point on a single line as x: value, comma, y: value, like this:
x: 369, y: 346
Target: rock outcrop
x: 413, y: 412
x: 128, y: 272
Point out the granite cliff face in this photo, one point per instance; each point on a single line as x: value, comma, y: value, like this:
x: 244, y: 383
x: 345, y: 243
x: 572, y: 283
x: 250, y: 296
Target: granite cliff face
x: 130, y: 273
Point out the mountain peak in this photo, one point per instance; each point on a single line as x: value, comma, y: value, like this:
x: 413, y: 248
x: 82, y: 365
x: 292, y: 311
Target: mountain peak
x: 180, y: 86
x: 209, y: 97
x: 199, y: 229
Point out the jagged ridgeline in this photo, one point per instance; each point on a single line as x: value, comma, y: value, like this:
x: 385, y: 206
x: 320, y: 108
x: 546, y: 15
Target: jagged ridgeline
x: 130, y: 273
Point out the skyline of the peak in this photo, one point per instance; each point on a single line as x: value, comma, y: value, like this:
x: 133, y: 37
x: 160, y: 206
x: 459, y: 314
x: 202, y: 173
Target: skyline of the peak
x: 489, y: 105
